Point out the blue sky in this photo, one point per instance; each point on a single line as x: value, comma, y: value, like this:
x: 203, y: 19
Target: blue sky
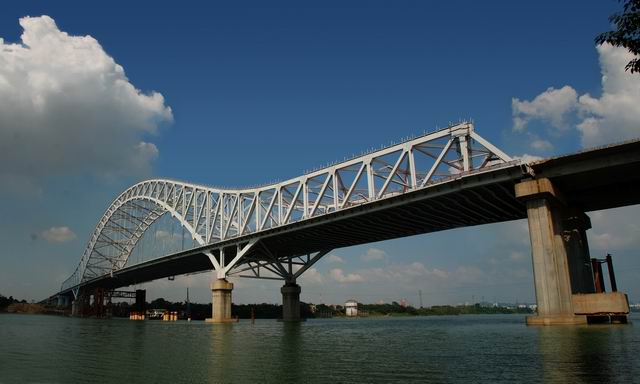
x: 255, y: 92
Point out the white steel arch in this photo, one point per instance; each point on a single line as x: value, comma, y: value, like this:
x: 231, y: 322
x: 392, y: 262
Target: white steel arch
x: 213, y: 215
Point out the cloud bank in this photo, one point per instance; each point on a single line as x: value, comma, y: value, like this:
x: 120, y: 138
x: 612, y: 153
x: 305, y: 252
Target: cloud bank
x: 66, y: 106
x: 374, y: 254
x: 335, y: 259
x: 58, y: 234
x: 339, y: 276
x: 612, y: 117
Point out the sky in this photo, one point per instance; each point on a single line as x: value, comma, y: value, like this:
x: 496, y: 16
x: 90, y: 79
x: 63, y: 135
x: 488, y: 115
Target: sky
x: 95, y: 97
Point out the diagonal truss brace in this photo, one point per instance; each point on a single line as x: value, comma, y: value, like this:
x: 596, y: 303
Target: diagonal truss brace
x: 222, y: 268
x: 268, y: 267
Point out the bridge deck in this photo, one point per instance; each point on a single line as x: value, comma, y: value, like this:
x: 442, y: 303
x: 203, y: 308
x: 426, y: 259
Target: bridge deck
x: 603, y: 178
x: 597, y: 179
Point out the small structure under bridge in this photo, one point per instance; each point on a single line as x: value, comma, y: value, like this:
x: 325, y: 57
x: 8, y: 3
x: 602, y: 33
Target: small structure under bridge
x: 98, y: 303
x: 450, y: 178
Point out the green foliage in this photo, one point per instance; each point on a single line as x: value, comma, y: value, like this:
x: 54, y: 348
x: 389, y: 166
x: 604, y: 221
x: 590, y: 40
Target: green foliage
x: 203, y: 311
x: 627, y: 33
x: 274, y: 311
x: 395, y: 309
x: 476, y: 309
x: 161, y: 303
x: 387, y: 309
x: 6, y: 301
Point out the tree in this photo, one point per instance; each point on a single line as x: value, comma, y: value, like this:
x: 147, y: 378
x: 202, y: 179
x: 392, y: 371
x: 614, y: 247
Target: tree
x: 160, y: 303
x: 5, y: 302
x: 627, y: 34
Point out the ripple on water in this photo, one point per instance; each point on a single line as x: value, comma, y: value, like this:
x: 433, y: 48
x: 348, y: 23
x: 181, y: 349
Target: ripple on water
x: 372, y: 350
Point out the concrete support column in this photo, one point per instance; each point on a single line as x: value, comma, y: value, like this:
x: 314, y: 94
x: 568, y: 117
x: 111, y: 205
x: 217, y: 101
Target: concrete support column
x: 221, y: 299
x: 577, y: 248
x: 63, y: 301
x: 80, y: 306
x: 290, y: 301
x: 550, y: 265
x: 75, y: 308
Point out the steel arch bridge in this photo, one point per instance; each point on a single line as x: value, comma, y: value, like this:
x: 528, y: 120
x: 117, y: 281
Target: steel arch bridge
x: 216, y: 215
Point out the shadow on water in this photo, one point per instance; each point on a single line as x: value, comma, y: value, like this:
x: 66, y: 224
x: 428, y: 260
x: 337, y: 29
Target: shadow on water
x: 586, y: 354
x: 268, y: 352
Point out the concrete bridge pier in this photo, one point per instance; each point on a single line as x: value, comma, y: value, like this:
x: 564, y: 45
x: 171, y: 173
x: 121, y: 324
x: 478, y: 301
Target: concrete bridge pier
x: 63, y: 301
x: 562, y: 268
x: 549, y: 253
x: 80, y: 306
x: 575, y: 226
x: 291, y: 301
x: 221, y: 300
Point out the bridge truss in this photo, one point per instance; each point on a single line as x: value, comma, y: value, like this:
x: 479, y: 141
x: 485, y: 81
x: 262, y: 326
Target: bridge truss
x: 216, y: 215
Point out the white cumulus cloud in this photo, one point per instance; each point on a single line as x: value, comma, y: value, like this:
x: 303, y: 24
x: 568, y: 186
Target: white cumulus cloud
x: 312, y: 276
x: 338, y: 275
x: 552, y: 105
x: 541, y: 145
x: 334, y: 259
x: 373, y: 254
x: 615, y: 115
x: 527, y: 158
x: 66, y: 106
x: 402, y: 273
x: 612, y: 117
x: 162, y: 234
x: 614, y: 230
x: 58, y: 234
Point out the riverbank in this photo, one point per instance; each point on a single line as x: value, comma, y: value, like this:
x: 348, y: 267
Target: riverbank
x: 34, y: 309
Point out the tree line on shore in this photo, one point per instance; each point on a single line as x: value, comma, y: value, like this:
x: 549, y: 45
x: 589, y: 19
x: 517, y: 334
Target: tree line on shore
x: 475, y: 309
x: 274, y: 311
x: 5, y: 302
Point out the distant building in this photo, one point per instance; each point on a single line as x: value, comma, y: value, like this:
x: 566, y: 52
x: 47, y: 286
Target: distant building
x: 403, y: 303
x: 351, y: 308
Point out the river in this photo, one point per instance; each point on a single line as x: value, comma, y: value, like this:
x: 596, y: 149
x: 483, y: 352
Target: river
x: 438, y: 349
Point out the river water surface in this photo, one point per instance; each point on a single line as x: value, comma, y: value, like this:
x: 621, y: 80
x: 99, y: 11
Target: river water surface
x: 447, y: 349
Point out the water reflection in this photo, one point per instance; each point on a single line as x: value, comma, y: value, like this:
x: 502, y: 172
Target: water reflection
x: 290, y: 353
x: 221, y: 359
x: 588, y: 354
x: 458, y: 349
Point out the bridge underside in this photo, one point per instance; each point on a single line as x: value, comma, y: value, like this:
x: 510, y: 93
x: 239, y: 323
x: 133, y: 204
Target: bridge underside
x: 604, y: 178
